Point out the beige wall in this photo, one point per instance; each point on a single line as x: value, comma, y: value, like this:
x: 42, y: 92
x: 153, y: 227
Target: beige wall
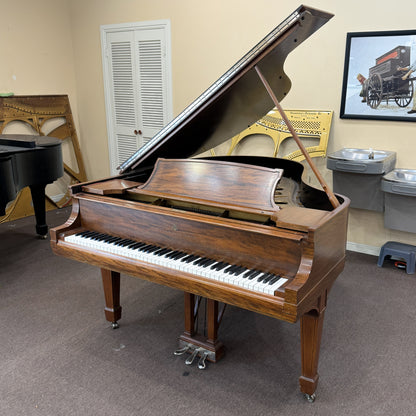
x: 61, y: 40
x: 36, y: 48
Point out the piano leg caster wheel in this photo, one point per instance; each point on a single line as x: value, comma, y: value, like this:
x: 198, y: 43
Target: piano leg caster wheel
x: 310, y: 397
x: 114, y: 325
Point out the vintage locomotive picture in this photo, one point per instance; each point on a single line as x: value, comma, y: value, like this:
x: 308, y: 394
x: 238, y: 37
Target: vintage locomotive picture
x: 379, y: 75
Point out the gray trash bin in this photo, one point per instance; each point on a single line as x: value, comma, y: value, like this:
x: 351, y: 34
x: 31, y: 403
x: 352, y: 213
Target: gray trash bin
x: 357, y: 174
x: 399, y: 187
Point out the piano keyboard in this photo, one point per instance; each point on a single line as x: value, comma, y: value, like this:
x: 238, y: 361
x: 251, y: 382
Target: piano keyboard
x: 251, y: 279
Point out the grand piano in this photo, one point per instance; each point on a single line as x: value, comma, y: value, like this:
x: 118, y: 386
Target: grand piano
x: 33, y: 161
x: 239, y: 230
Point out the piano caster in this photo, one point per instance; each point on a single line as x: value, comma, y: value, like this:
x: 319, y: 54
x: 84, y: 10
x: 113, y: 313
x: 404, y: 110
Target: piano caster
x: 310, y: 397
x: 114, y: 325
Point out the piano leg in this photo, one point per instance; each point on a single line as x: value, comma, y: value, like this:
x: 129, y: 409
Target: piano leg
x: 38, y: 199
x: 111, y: 285
x: 207, y: 348
x: 311, y: 331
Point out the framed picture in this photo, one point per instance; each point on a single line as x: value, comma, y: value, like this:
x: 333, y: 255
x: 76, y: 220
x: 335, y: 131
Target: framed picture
x: 380, y: 76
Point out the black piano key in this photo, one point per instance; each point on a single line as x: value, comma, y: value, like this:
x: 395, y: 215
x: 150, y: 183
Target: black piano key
x: 230, y: 268
x: 172, y: 254
x: 147, y: 248
x: 209, y: 263
x: 123, y: 242
x: 201, y: 261
x: 188, y: 256
x: 253, y: 275
x: 263, y: 277
x: 110, y: 239
x: 198, y: 260
x: 191, y: 258
x: 116, y: 240
x: 248, y: 273
x: 162, y: 251
x: 216, y: 265
x: 179, y: 256
x: 97, y: 236
x: 128, y: 243
x: 84, y: 233
x: 234, y: 270
x: 239, y: 271
x: 90, y: 235
x: 221, y: 266
x: 268, y: 278
x: 274, y: 279
x: 136, y: 246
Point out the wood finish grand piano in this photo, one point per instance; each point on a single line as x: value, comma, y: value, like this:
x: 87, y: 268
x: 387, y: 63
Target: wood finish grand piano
x: 239, y: 230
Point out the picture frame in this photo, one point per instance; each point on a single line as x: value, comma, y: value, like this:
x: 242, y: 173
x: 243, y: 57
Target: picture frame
x: 379, y: 81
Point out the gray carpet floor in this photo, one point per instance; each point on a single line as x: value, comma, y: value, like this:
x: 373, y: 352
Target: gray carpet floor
x: 59, y: 356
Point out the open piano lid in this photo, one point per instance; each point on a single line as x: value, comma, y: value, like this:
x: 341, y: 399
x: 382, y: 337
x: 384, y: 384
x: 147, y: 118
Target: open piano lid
x: 237, y: 99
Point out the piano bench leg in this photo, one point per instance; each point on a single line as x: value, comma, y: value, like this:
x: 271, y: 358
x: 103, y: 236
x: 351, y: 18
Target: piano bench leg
x: 111, y: 285
x: 311, y: 331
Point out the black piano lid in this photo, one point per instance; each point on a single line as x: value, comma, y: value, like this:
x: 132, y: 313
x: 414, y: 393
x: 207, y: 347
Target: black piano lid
x: 17, y: 143
x: 237, y: 99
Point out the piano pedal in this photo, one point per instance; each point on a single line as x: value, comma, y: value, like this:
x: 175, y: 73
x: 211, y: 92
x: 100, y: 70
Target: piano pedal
x: 191, y: 358
x: 202, y: 361
x: 310, y: 397
x: 114, y: 325
x: 194, y: 351
x: 183, y: 350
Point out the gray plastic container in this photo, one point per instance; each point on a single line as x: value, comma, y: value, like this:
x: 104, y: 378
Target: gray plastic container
x: 357, y: 174
x: 399, y: 187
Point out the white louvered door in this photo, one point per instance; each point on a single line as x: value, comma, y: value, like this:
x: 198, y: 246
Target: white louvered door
x: 136, y: 62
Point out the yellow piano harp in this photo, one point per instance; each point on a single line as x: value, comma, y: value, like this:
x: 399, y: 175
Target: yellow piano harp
x: 238, y: 230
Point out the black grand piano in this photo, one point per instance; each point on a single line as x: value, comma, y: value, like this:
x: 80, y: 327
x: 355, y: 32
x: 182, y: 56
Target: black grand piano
x: 28, y: 160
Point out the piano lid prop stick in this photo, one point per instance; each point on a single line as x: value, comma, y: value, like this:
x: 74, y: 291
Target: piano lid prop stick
x: 332, y: 198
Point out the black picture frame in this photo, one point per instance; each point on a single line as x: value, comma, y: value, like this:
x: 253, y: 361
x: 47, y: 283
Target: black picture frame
x: 383, y: 95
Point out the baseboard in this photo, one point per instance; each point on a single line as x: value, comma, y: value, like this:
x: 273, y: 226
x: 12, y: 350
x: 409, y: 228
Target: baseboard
x: 363, y: 248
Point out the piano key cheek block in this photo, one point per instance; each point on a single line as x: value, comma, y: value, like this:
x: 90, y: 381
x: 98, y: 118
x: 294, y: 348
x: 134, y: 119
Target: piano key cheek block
x: 227, y: 230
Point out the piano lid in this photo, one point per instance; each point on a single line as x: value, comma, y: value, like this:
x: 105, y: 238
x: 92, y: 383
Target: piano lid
x: 237, y: 99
